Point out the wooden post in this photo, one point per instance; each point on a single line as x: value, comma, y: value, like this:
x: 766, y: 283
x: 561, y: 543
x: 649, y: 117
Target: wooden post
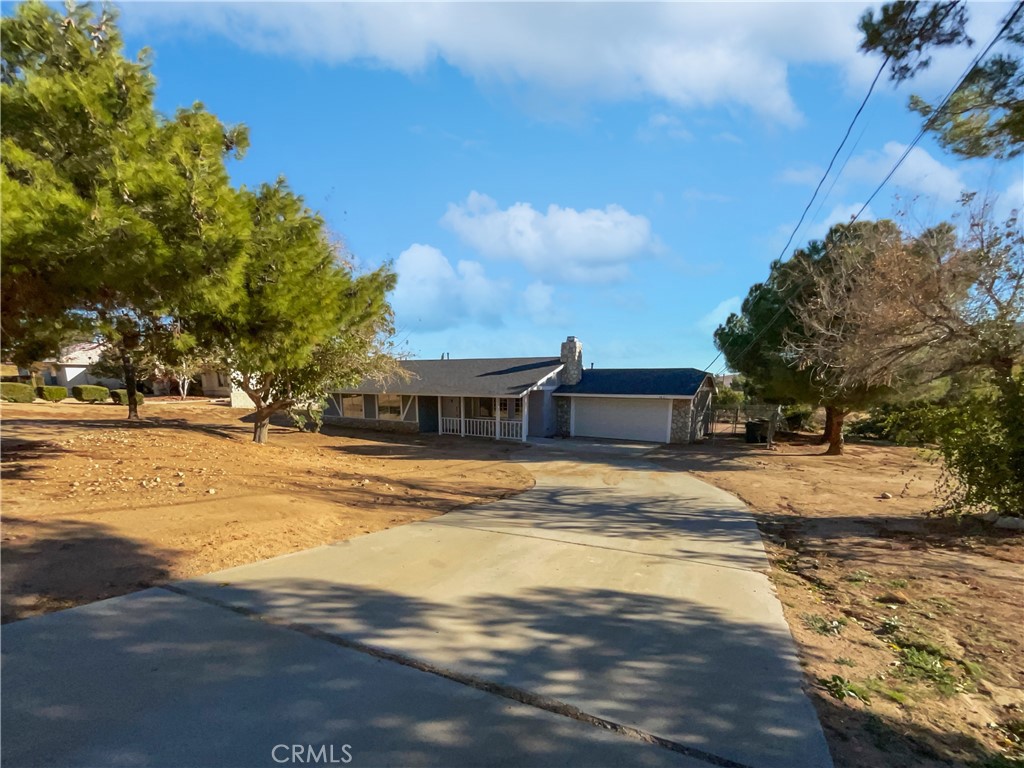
x: 440, y: 416
x: 462, y: 416
x: 497, y: 419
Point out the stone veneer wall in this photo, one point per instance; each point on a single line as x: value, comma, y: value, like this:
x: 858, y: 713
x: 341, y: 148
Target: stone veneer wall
x: 379, y: 425
x: 562, y: 416
x: 681, y: 432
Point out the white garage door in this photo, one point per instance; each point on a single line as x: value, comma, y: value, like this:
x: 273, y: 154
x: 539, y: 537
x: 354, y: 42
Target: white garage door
x: 624, y: 418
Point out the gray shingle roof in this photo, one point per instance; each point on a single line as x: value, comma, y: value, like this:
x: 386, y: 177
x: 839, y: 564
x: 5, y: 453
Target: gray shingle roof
x: 491, y: 377
x: 666, y: 382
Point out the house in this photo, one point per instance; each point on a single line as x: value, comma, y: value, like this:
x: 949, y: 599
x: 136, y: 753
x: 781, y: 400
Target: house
x: 215, y: 383
x: 72, y: 367
x: 521, y: 397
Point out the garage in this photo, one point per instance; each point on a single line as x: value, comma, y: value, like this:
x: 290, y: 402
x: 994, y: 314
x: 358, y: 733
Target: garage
x: 623, y: 418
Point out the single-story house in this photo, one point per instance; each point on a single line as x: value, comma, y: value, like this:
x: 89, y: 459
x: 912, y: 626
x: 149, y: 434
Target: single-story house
x: 72, y: 367
x: 522, y: 397
x: 215, y: 383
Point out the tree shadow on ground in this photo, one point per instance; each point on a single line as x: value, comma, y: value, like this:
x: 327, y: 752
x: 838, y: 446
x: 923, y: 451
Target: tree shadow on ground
x: 861, y: 737
x: 22, y: 459
x: 70, y: 562
x: 163, y: 679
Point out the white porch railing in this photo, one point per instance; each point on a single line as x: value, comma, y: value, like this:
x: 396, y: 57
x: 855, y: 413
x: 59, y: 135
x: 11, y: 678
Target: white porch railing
x: 511, y: 430
x: 480, y: 427
x: 505, y: 429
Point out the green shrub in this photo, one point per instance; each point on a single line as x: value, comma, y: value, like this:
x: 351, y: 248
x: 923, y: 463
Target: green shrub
x: 824, y: 626
x: 980, y: 439
x: 120, y: 396
x: 90, y: 393
x: 13, y: 392
x: 53, y: 394
x: 904, y: 423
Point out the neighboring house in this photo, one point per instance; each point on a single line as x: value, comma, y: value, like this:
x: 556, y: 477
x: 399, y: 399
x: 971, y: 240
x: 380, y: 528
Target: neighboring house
x: 218, y: 384
x: 215, y: 383
x: 73, y: 367
x: 517, y: 398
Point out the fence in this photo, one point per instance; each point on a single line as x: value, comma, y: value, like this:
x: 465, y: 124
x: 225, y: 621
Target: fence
x: 731, y: 421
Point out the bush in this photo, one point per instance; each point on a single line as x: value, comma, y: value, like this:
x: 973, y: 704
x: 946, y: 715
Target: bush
x: 12, y: 392
x: 903, y: 423
x: 798, y: 418
x: 980, y: 438
x: 90, y: 393
x: 52, y: 394
x: 120, y: 396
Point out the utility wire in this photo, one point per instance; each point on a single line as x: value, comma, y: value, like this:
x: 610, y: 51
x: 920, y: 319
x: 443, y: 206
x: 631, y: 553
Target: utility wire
x: 824, y: 176
x: 1008, y: 21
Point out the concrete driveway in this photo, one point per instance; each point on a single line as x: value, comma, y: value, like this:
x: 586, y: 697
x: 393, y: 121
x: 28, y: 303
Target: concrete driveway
x: 616, y: 614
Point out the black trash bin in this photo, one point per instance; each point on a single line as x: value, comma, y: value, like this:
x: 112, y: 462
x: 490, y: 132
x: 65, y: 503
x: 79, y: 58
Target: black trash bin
x: 755, y: 432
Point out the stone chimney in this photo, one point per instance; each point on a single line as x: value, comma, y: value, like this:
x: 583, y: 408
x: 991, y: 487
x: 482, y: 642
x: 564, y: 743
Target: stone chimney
x: 572, y: 357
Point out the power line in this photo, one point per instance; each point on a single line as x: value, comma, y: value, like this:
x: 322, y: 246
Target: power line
x: 824, y: 176
x: 835, y: 179
x: 1009, y: 19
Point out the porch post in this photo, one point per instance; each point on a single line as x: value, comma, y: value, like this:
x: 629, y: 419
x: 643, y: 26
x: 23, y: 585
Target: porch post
x: 526, y: 414
x: 440, y: 417
x: 462, y: 416
x: 497, y: 420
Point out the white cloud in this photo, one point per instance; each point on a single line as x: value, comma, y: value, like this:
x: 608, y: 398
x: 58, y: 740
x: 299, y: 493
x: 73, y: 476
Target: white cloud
x: 594, y: 245
x: 807, y: 175
x: 921, y: 174
x: 727, y: 138
x: 540, y: 306
x: 709, y: 322
x: 432, y: 294
x: 1011, y: 200
x: 685, y: 54
x: 659, y: 124
x: 841, y: 214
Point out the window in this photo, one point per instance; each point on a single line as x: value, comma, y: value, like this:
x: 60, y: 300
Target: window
x: 511, y: 409
x: 352, y: 406
x: 222, y: 379
x: 389, y: 407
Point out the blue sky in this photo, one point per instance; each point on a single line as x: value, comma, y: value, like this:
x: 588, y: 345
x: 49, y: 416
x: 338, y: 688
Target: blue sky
x: 618, y: 172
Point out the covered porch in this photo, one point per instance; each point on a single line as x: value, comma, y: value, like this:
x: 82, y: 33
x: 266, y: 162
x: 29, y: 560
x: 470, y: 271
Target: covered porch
x: 502, y: 418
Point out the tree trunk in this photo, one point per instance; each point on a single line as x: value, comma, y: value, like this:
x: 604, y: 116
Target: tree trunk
x: 183, y: 387
x: 130, y: 382
x: 260, y: 429
x: 830, y: 418
x: 835, y: 438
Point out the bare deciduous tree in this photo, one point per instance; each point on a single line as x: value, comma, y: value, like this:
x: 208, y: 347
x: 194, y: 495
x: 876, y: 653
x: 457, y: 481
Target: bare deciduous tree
x: 898, y: 310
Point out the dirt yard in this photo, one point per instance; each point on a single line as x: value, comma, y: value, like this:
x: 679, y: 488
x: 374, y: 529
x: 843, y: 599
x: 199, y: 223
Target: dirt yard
x: 911, y: 629
x: 95, y: 506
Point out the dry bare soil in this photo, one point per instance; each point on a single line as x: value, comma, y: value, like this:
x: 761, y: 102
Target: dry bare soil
x: 910, y: 627
x: 96, y: 506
